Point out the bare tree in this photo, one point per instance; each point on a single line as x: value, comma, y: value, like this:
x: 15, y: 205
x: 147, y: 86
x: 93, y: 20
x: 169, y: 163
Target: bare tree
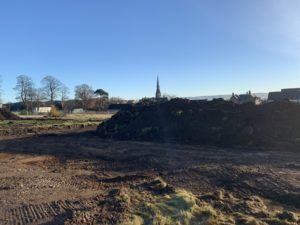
x: 51, y: 86
x: 37, y: 97
x: 84, y: 93
x: 64, y: 92
x: 24, y: 89
x: 31, y: 97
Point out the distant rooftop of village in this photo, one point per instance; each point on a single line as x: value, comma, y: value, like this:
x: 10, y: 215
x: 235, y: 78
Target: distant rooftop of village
x: 94, y: 103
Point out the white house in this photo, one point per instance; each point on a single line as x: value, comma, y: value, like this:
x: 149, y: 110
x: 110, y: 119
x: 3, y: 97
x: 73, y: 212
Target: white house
x: 245, y: 98
x: 42, y: 109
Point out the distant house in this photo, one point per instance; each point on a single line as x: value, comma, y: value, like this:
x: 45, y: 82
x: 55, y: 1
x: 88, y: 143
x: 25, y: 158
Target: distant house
x: 42, y: 109
x: 78, y: 111
x: 290, y: 94
x: 245, y: 98
x: 1, y: 105
x: 235, y: 99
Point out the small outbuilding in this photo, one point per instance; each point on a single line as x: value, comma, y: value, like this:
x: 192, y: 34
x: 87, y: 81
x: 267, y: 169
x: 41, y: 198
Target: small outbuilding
x: 42, y: 109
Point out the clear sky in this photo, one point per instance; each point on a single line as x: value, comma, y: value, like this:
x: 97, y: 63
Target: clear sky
x: 198, y: 47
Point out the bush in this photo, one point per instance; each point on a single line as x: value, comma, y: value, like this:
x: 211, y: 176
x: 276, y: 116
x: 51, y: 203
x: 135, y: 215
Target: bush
x: 54, y: 112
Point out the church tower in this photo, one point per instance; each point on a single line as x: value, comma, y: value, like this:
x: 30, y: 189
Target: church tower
x: 158, y: 93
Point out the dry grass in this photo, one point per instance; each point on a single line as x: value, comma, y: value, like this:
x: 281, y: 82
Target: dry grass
x: 54, y: 112
x: 179, y: 208
x: 43, y: 123
x: 40, y: 126
x: 183, y: 208
x: 37, y: 121
x: 89, y: 116
x: 80, y: 116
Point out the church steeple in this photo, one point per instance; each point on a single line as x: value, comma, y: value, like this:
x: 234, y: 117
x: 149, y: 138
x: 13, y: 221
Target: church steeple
x: 158, y: 93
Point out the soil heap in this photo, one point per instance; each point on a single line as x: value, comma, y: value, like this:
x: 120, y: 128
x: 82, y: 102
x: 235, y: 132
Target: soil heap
x: 6, y: 115
x: 216, y: 122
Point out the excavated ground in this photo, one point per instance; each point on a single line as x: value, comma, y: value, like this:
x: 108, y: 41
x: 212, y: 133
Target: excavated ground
x: 6, y: 115
x: 216, y: 122
x: 78, y: 178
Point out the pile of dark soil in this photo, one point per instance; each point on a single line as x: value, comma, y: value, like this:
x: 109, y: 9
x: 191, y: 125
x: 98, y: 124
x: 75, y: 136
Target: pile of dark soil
x: 6, y: 115
x: 216, y: 122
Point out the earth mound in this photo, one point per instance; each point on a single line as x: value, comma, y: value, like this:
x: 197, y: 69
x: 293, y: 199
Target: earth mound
x: 216, y: 122
x: 6, y: 115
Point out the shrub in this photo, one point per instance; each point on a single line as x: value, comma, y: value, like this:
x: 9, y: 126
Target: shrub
x: 54, y: 112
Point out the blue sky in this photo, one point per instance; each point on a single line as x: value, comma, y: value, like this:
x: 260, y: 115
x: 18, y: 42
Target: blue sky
x: 198, y: 47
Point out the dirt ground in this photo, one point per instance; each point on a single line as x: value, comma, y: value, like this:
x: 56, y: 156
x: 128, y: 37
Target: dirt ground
x: 74, y: 178
x: 217, y: 122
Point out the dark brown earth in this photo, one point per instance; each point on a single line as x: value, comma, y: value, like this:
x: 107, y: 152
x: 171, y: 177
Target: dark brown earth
x: 216, y: 122
x: 78, y: 178
x: 6, y: 115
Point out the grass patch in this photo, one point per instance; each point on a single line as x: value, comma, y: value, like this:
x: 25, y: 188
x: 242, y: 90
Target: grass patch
x: 156, y: 203
x: 89, y: 116
x: 43, y: 123
x: 37, y: 126
x: 179, y: 208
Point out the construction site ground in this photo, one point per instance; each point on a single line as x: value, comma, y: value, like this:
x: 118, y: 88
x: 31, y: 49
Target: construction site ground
x: 70, y: 177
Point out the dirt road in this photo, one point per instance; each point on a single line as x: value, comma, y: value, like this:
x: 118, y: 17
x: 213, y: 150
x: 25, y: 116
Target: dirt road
x: 58, y: 178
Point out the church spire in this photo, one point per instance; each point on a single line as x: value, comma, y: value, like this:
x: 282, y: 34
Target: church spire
x: 158, y: 93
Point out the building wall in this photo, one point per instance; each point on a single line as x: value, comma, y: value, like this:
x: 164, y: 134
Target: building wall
x: 285, y: 94
x: 42, y: 109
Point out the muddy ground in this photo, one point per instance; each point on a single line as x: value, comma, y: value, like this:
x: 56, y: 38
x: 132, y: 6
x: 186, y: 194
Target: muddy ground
x: 74, y: 178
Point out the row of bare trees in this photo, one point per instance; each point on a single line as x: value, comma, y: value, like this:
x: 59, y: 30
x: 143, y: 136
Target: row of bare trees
x: 30, y: 96
x: 53, y: 89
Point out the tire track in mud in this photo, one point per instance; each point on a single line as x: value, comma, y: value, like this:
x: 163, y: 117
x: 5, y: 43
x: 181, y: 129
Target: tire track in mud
x: 53, y: 213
